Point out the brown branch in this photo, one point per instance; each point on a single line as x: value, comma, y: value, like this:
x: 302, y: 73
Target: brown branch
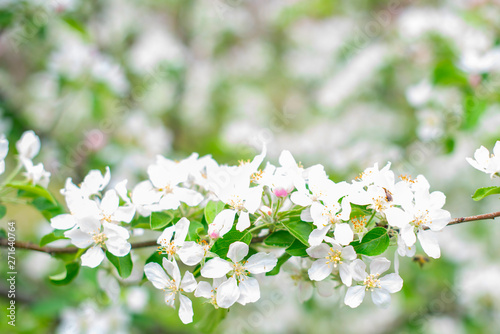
x: 150, y: 243
x: 455, y: 221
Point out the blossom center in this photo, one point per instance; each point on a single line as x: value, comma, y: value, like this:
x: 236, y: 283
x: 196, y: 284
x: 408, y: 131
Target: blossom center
x: 166, y: 189
x: 168, y: 248
x: 331, y: 214
x: 421, y: 219
x: 380, y: 204
x: 371, y: 282
x: 239, y: 271
x: 334, y: 256
x: 236, y: 203
x: 99, y: 238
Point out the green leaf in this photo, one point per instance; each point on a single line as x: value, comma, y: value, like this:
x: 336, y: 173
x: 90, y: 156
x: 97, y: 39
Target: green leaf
x: 375, y: 242
x: 51, y: 237
x: 297, y: 248
x: 221, y: 246
x: 122, y: 263
x: 160, y: 220
x: 67, y: 276
x: 211, y: 319
x: 359, y: 211
x: 281, y: 260
x: 212, y: 210
x: 141, y: 222
x: 483, y: 192
x: 3, y: 233
x: 280, y: 238
x: 3, y: 211
x: 300, y: 230
x: 47, y: 208
x: 194, y: 226
x: 33, y: 190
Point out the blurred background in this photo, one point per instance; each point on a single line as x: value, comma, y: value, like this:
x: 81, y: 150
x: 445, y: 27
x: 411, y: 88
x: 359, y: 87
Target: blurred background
x: 341, y: 83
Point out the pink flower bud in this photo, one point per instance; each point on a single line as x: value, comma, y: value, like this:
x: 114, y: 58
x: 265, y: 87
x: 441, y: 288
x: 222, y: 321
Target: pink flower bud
x: 280, y: 192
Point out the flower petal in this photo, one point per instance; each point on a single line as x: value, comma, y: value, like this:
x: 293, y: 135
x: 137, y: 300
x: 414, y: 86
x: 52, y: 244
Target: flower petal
x: 227, y: 293
x: 237, y: 251
x: 381, y: 297
x: 249, y: 291
x: 261, y: 263
x: 319, y: 270
x: 354, y: 296
x: 156, y: 275
x: 188, y: 282
x: 191, y: 253
x: 379, y: 265
x: 343, y: 234
x: 429, y: 243
x: 391, y: 282
x: 216, y: 268
x: 185, y: 309
x: 319, y: 251
x: 93, y: 257
x: 243, y: 221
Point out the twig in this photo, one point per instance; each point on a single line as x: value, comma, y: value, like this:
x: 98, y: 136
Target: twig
x: 150, y: 243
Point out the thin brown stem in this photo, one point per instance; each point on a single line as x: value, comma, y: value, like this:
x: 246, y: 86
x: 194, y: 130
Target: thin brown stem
x: 150, y: 243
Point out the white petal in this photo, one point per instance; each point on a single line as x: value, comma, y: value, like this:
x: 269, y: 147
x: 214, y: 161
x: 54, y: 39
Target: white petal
x: 110, y: 202
x: 306, y: 290
x: 124, y: 214
x: 158, y: 176
x: 227, y: 293
x: 63, y: 222
x: 181, y: 231
x: 429, y: 243
x: 300, y: 198
x: 261, y: 263
x: 381, y: 298
x: 186, y: 309
x: 243, y: 221
x: 345, y: 274
x: 318, y: 235
x: 392, y: 282
x: 343, y: 234
x: 216, y: 268
x: 92, y: 257
x: 155, y: 273
x: 79, y: 238
x: 188, y: 282
x: 191, y: 253
x: 222, y: 222
x: 253, y: 199
x: 397, y: 217
x: 170, y: 298
x: 354, y: 296
x: 319, y: 270
x: 188, y: 196
x: 348, y: 253
x: 408, y: 235
x: 173, y: 270
x: 204, y: 289
x: 305, y: 215
x: 237, y: 251
x: 169, y: 202
x: 113, y: 231
x: 379, y: 265
x: 358, y: 270
x: 326, y: 287
x: 249, y: 291
x: 319, y: 251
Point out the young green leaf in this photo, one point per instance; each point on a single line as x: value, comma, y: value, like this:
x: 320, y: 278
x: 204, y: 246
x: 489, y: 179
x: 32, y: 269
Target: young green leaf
x: 300, y: 230
x: 281, y: 260
x: 160, y: 220
x: 483, y: 192
x: 375, y: 242
x: 123, y: 264
x: 221, y: 246
x: 32, y: 190
x: 66, y: 277
x: 297, y: 248
x: 212, y: 210
x: 280, y: 238
x: 3, y: 211
x: 51, y: 237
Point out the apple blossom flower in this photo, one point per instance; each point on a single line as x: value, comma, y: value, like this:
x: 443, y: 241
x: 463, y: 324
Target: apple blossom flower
x: 28, y: 145
x: 330, y: 259
x: 90, y: 232
x: 173, y: 241
x: 424, y: 212
x: 380, y: 287
x: 239, y: 269
x: 224, y: 292
x: 483, y: 161
x: 36, y: 174
x: 4, y: 149
x: 173, y: 285
x: 92, y: 184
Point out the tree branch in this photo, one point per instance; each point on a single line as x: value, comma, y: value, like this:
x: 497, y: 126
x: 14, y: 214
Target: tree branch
x: 150, y: 243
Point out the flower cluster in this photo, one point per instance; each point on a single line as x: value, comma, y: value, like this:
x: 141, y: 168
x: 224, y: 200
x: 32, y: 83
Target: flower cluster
x: 227, y: 226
